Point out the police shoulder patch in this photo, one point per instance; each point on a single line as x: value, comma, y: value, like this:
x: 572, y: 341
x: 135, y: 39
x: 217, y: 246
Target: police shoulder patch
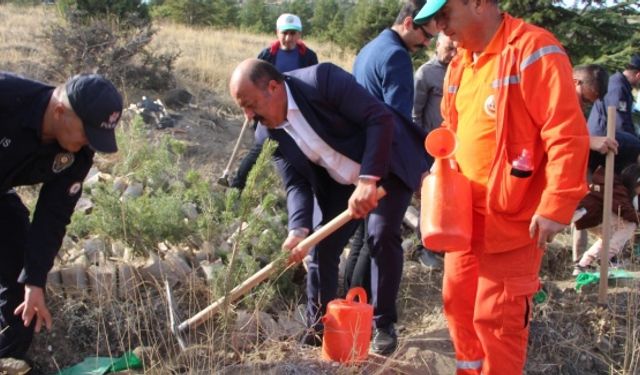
x: 62, y: 161
x: 622, y: 106
x: 75, y: 188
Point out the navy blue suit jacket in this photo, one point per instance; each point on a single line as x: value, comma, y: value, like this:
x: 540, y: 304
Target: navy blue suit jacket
x: 352, y: 122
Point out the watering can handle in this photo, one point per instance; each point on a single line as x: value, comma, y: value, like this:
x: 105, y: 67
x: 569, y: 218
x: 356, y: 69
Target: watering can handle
x: 357, y: 292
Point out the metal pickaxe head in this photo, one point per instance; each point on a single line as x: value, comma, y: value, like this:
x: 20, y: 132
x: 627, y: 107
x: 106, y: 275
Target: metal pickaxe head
x: 174, y: 319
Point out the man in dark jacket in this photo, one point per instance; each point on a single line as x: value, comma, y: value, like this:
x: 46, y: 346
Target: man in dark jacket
x: 287, y: 53
x: 48, y: 135
x: 336, y: 142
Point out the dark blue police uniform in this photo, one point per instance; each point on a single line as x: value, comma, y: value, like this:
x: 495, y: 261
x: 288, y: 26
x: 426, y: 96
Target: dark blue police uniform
x: 620, y: 96
x: 28, y: 248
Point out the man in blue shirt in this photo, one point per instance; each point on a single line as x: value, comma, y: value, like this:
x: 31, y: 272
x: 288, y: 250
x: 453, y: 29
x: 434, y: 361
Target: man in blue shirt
x: 48, y: 135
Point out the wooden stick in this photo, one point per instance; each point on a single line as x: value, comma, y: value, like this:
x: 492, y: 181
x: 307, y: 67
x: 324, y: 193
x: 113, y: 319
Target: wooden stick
x: 225, y: 173
x: 606, y: 210
x: 240, y: 290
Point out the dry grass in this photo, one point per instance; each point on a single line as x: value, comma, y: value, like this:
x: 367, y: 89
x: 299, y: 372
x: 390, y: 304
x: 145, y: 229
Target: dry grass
x: 208, y: 55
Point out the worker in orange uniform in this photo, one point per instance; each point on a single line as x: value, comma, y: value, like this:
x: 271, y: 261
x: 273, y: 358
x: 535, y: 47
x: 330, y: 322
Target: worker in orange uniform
x: 523, y: 144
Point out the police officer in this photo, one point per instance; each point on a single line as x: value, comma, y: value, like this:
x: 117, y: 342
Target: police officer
x: 48, y: 135
x: 620, y: 96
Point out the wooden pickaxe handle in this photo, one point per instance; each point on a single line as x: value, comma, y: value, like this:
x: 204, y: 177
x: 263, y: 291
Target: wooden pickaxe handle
x: 269, y: 269
x: 227, y: 169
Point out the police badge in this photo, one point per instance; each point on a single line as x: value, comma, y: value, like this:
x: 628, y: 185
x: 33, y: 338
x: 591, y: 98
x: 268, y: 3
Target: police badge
x: 62, y: 161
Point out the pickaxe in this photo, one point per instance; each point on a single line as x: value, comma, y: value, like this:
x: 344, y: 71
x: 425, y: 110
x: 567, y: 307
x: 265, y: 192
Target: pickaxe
x: 224, y: 179
x: 178, y: 329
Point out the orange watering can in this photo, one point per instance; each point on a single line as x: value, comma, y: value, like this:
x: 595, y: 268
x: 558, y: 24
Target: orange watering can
x: 445, y: 208
x: 347, y: 328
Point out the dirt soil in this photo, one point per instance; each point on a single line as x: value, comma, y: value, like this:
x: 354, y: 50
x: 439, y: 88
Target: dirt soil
x: 570, y: 333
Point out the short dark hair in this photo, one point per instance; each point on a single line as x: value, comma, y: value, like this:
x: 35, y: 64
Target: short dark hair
x: 409, y: 8
x: 263, y: 72
x: 595, y: 76
x: 630, y: 177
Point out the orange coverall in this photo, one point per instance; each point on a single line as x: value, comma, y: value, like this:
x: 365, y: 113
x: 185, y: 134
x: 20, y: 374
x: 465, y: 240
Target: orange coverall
x: 488, y: 288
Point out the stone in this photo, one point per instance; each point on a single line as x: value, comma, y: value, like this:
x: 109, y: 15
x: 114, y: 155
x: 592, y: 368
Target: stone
x: 190, y: 211
x: 288, y: 325
x: 251, y: 328
x: 102, y: 280
x: 175, y: 265
x: 54, y: 280
x: 74, y: 278
x: 84, y: 205
x: 12, y: 366
x: 127, y: 281
x: 177, y: 98
x: 120, y: 184
x: 134, y: 190
x: 95, y: 249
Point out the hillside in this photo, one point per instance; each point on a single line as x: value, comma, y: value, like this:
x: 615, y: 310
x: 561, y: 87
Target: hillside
x: 109, y: 297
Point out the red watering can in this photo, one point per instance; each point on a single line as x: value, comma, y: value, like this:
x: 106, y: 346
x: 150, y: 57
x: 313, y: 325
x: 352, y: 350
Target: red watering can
x: 445, y: 208
x: 347, y: 328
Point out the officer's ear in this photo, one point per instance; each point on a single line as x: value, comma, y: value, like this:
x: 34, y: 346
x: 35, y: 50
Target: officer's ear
x: 59, y: 110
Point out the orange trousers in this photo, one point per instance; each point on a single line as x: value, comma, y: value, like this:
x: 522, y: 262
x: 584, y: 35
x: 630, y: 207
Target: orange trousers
x: 488, y: 302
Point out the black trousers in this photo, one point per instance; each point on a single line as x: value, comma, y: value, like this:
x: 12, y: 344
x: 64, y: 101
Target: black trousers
x: 14, y: 224
x: 357, y: 270
x: 247, y: 163
x: 384, y: 241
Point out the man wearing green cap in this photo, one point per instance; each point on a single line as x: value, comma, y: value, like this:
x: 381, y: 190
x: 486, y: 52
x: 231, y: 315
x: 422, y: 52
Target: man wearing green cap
x: 48, y: 135
x: 523, y: 144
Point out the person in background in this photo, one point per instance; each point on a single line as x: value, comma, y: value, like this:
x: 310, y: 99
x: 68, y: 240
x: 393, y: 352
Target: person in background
x: 591, y: 87
x: 48, y: 135
x: 384, y: 68
x: 523, y: 145
x: 286, y: 53
x: 624, y: 213
x: 428, y: 81
x: 620, y: 95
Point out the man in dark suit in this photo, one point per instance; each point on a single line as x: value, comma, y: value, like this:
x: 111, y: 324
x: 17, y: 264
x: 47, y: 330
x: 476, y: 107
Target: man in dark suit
x: 332, y: 134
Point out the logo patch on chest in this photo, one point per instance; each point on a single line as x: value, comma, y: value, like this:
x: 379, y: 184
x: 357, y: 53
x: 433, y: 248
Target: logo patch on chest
x: 62, y: 161
x: 5, y: 142
x: 490, y: 106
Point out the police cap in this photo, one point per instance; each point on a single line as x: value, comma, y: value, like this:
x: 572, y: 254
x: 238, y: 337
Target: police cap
x: 98, y: 104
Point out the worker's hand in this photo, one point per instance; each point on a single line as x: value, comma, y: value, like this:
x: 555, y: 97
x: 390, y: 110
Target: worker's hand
x: 603, y: 144
x: 291, y: 245
x: 364, y: 198
x: 546, y: 228
x: 34, y: 306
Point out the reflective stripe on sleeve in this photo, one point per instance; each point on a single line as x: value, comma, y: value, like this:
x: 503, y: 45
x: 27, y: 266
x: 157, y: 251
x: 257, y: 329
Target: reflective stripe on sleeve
x: 537, y: 55
x: 510, y: 80
x: 469, y: 365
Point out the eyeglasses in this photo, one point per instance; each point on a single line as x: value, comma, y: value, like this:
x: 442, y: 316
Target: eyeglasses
x: 426, y: 34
